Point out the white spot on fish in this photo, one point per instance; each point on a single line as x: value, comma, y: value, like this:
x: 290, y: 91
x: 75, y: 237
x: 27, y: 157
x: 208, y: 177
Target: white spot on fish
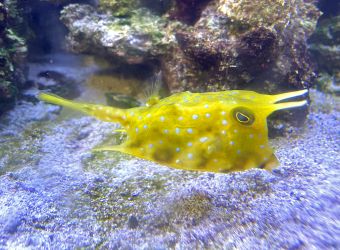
x: 210, y: 148
x: 166, y: 131
x: 207, y: 115
x: 150, y: 145
x: 190, y: 156
x: 140, y: 118
x: 178, y: 161
x: 223, y: 113
x: 160, y: 142
x: 224, y: 132
x: 235, y: 131
x: 137, y: 130
x: 189, y: 144
x: 177, y: 130
x: 189, y: 130
x: 180, y: 118
x: 195, y: 117
x: 145, y: 126
x: 251, y: 136
x: 261, y: 146
x: 238, y: 152
x: 224, y: 122
x: 231, y: 143
x: 162, y: 118
x: 203, y: 139
x: 178, y: 149
x: 206, y: 106
x: 148, y: 115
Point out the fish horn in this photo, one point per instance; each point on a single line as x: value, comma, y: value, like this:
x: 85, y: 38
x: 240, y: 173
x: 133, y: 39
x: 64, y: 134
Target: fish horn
x: 284, y: 96
x: 288, y: 105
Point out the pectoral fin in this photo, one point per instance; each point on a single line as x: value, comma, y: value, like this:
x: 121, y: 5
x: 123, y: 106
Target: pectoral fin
x: 118, y: 148
x: 120, y: 130
x: 271, y: 163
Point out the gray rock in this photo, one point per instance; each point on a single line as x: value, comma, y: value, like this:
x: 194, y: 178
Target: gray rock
x: 134, y: 39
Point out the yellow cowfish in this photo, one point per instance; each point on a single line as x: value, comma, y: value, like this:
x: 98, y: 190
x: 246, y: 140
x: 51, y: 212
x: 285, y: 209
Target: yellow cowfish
x: 215, y: 131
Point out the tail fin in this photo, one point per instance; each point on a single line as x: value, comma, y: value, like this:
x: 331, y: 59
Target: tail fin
x: 101, y: 112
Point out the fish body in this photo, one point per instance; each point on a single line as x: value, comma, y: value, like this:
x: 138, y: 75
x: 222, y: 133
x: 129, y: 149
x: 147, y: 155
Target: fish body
x: 215, y: 131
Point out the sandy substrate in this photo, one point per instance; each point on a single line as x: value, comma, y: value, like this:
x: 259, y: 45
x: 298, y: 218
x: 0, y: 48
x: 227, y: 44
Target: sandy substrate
x: 56, y: 194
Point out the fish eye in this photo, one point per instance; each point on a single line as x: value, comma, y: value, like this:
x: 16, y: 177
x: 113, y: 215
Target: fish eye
x: 243, y: 116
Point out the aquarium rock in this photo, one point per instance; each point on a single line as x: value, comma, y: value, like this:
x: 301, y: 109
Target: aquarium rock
x: 325, y: 44
x: 202, y: 45
x: 245, y: 44
x: 13, y: 52
x: 133, y: 39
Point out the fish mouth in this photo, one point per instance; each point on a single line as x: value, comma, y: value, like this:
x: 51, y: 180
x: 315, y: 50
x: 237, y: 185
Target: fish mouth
x: 285, y: 96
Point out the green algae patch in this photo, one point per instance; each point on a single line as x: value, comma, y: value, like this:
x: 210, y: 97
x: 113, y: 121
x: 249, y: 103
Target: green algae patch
x: 143, y: 24
x: 23, y: 149
x: 278, y: 14
x: 118, y: 7
x: 122, y: 203
x: 191, y: 209
x: 144, y: 21
x: 103, y: 161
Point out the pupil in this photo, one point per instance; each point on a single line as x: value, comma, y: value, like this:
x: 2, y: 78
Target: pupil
x: 241, y: 117
x: 244, y: 116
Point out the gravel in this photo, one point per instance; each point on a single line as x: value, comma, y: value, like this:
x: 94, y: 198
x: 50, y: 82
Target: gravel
x: 57, y: 194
